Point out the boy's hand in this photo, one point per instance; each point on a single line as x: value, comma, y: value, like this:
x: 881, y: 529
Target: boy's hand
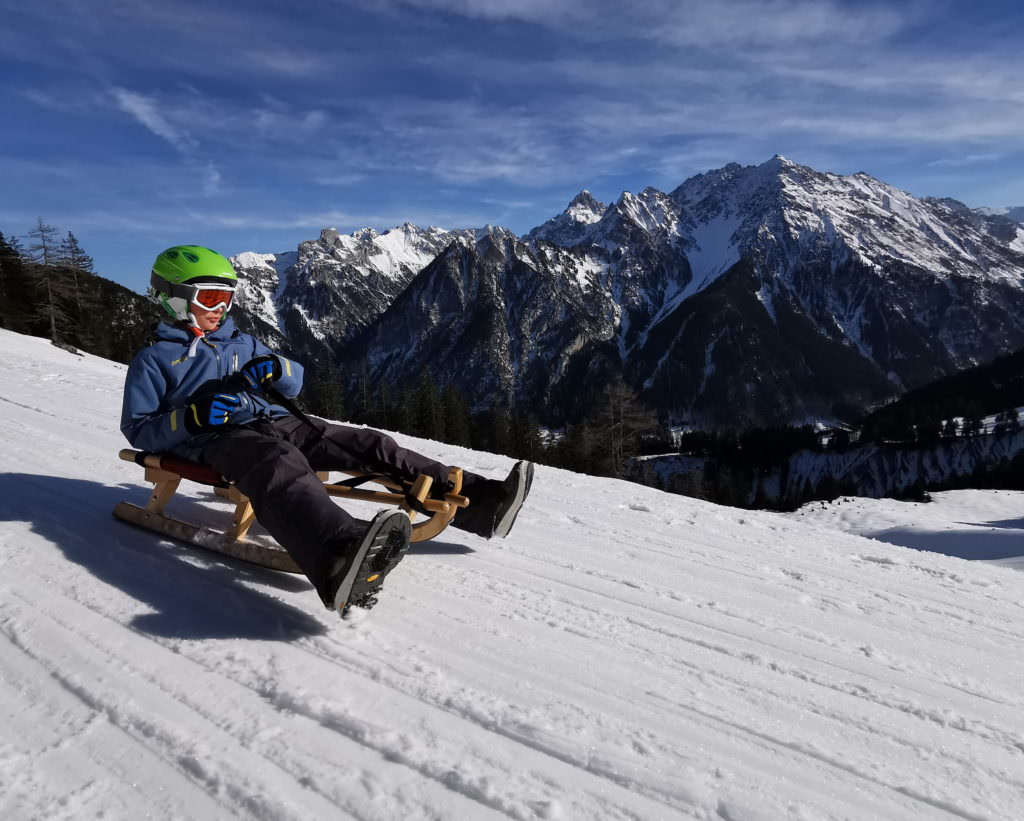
x: 263, y: 370
x: 205, y: 414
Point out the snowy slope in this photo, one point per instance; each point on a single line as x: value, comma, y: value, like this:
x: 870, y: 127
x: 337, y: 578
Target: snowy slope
x: 625, y: 654
x: 971, y: 524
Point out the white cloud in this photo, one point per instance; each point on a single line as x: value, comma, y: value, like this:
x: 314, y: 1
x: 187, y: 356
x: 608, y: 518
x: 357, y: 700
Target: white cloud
x: 341, y: 179
x: 967, y: 159
x: 211, y: 179
x: 146, y: 111
x: 701, y: 23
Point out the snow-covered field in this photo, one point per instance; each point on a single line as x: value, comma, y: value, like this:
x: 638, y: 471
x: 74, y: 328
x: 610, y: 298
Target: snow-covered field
x: 969, y: 524
x: 625, y: 654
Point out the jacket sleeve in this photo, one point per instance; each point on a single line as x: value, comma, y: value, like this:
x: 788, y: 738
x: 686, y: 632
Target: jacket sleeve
x: 290, y: 383
x: 145, y: 419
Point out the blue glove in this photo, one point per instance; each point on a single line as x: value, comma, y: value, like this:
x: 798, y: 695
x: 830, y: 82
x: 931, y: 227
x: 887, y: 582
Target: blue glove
x: 206, y: 414
x: 263, y: 370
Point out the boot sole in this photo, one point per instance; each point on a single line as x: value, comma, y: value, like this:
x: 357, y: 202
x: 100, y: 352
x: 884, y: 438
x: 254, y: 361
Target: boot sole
x: 508, y: 518
x: 382, y: 547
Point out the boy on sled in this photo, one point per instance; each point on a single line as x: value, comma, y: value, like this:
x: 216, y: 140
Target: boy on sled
x: 208, y: 393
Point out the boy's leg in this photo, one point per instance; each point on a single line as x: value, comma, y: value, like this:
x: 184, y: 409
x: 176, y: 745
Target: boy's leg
x: 493, y: 503
x: 341, y: 447
x: 288, y: 499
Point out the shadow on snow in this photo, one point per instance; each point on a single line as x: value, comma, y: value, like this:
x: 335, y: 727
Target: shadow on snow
x: 984, y: 542
x: 196, y: 594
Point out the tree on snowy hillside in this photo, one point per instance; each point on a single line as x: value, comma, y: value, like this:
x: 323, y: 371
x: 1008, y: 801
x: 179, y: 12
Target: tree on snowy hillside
x: 51, y: 298
x: 50, y: 290
x: 14, y: 286
x: 72, y: 255
x: 621, y: 420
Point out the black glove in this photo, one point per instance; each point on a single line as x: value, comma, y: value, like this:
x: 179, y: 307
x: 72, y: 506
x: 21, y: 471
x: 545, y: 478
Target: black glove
x: 205, y: 414
x: 263, y: 370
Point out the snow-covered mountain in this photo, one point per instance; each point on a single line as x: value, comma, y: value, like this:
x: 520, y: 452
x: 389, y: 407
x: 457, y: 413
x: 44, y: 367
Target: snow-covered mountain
x: 501, y: 321
x: 332, y: 287
x: 625, y: 653
x: 571, y: 226
x: 754, y: 294
x: 1015, y: 213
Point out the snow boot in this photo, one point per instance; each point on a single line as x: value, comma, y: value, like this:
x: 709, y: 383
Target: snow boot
x: 357, y: 575
x: 494, y: 504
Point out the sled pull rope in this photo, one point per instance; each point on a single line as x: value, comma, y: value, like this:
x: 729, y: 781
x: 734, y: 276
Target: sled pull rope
x: 292, y: 408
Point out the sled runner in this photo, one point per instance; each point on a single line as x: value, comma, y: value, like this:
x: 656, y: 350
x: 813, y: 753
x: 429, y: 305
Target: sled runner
x: 166, y: 471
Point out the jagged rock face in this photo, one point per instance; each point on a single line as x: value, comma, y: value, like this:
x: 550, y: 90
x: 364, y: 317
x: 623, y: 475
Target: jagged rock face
x: 570, y: 227
x: 748, y: 295
x: 845, y: 292
x: 1014, y: 214
x: 501, y: 322
x: 333, y: 287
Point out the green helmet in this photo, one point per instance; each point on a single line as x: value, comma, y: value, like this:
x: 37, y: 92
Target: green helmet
x: 177, y: 269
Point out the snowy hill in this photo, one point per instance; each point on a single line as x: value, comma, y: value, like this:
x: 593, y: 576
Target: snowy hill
x: 625, y: 654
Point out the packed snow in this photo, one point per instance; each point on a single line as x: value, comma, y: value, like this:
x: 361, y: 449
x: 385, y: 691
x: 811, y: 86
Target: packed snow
x: 984, y: 525
x: 624, y: 654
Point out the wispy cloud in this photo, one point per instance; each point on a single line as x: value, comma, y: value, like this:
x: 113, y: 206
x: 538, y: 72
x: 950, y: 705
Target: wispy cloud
x: 703, y: 23
x: 194, y: 221
x: 371, y: 112
x: 147, y: 112
x: 968, y: 159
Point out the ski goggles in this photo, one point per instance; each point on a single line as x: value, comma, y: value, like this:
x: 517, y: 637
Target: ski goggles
x: 208, y: 296
x: 212, y: 297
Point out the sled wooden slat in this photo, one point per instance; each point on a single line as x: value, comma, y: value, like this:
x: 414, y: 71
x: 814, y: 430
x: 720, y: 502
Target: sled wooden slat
x: 166, y: 471
x: 207, y: 538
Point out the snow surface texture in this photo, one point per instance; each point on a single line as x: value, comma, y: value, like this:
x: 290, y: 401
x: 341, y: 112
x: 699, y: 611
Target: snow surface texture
x: 624, y: 654
x: 970, y: 524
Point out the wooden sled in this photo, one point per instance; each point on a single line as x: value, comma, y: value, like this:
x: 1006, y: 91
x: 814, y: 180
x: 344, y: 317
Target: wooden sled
x: 166, y: 471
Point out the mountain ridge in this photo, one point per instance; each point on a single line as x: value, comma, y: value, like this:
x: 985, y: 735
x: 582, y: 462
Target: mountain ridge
x: 816, y: 272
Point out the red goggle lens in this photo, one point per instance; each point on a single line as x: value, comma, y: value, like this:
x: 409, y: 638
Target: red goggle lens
x: 213, y: 297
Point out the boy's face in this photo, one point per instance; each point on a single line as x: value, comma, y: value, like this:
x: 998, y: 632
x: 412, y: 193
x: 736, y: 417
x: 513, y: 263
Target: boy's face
x: 206, y: 320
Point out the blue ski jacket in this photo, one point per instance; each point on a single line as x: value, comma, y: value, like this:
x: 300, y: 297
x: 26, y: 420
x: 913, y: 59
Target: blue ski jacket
x: 163, y: 376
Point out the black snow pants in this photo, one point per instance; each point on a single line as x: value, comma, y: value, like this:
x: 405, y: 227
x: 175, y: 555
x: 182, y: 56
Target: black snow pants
x: 274, y: 463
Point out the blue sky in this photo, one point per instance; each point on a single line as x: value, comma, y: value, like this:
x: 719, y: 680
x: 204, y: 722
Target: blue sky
x: 141, y: 124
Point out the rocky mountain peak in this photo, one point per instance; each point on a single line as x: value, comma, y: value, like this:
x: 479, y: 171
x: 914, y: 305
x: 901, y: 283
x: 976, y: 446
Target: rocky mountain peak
x: 584, y: 205
x: 770, y: 290
x: 330, y: 236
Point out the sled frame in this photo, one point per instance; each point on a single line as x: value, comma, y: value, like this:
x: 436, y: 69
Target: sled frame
x: 166, y: 473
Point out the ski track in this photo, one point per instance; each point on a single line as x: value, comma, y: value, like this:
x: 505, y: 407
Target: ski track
x: 625, y: 655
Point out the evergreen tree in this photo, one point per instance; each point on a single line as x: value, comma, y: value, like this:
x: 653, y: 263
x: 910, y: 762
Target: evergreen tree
x: 384, y: 408
x: 71, y: 254
x: 86, y: 319
x: 583, y: 448
x: 361, y: 403
x: 455, y: 411
x: 526, y: 438
x: 16, y: 303
x: 402, y: 412
x: 621, y: 420
x: 493, y: 430
x: 50, y: 295
x: 429, y: 420
x: 324, y: 394
x: 45, y: 248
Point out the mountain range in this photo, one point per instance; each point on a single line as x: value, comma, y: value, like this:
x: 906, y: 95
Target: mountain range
x: 747, y: 295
